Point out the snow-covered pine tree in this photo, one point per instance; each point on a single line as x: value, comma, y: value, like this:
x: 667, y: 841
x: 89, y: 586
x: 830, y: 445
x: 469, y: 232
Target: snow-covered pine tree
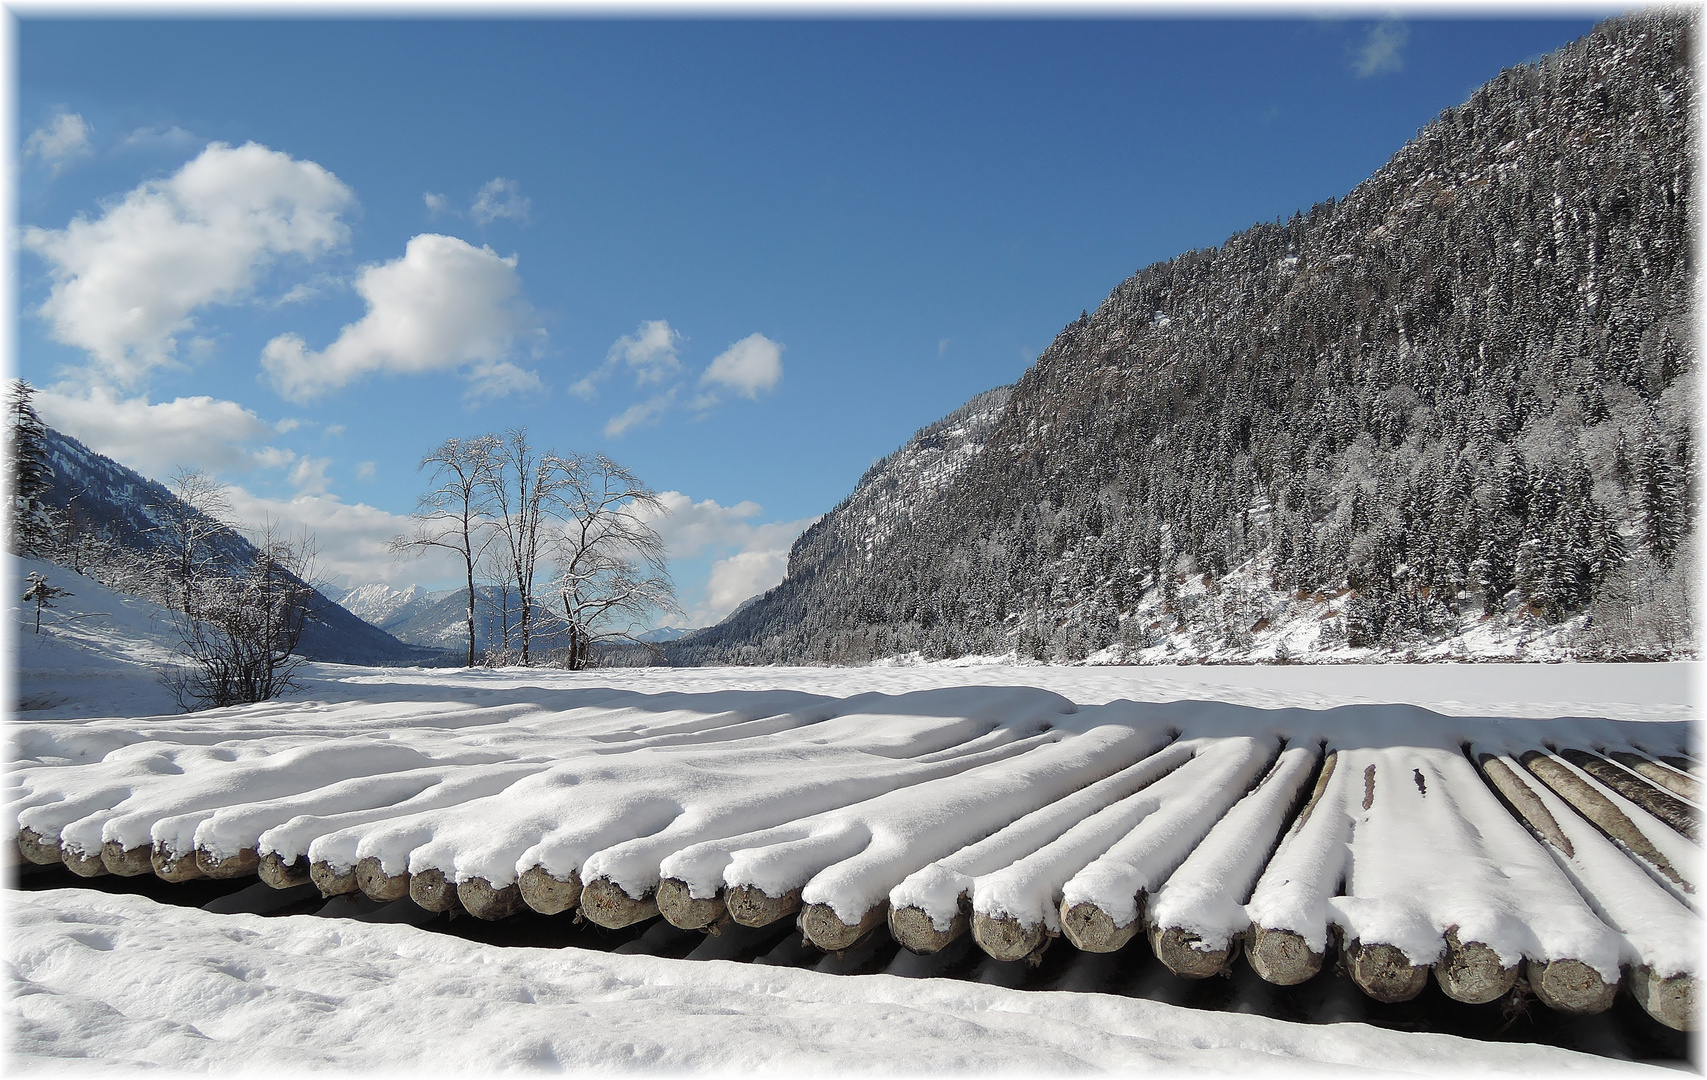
x: 30, y: 523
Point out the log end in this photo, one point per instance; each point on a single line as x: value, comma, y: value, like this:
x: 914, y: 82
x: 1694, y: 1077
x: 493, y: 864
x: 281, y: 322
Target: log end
x: 606, y: 904
x: 1006, y: 938
x: 483, y: 900
x: 38, y: 849
x: 1384, y: 972
x: 1283, y: 957
x: 1472, y: 972
x: 174, y: 867
x: 1570, y: 986
x: 331, y: 881
x: 82, y: 865
x: 376, y: 884
x: 548, y: 894
x: 1091, y: 929
x: 913, y: 928
x: 825, y: 929
x: 750, y: 905
x: 1671, y: 1001
x: 279, y: 874
x: 685, y: 912
x: 131, y: 862
x: 242, y: 864
x: 1179, y: 951
x: 431, y: 890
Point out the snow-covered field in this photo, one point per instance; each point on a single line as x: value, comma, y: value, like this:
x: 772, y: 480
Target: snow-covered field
x: 1013, y: 799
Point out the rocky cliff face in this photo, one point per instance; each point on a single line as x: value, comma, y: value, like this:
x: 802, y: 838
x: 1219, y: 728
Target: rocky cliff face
x: 1451, y: 413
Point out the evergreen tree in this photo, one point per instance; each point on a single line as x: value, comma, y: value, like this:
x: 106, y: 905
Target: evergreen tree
x: 31, y: 523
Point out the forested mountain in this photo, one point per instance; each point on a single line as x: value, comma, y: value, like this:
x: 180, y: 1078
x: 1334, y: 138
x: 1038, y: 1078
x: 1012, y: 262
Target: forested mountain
x: 1450, y: 413
x: 113, y: 512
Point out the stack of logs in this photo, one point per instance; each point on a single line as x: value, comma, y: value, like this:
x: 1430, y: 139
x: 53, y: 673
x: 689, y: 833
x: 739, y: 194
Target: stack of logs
x: 1553, y: 801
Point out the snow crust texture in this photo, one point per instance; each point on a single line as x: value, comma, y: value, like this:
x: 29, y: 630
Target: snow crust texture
x: 1446, y: 840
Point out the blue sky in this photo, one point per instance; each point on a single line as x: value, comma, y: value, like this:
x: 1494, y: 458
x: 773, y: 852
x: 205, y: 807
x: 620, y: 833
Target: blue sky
x: 746, y: 258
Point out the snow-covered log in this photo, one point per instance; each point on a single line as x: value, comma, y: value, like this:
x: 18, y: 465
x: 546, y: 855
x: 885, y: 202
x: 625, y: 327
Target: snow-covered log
x: 1675, y: 780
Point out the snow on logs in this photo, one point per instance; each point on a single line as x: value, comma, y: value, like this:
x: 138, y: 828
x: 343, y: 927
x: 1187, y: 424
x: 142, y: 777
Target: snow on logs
x: 1473, y: 852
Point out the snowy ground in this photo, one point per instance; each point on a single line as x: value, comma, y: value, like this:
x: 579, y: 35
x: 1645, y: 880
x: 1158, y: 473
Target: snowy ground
x: 705, y: 772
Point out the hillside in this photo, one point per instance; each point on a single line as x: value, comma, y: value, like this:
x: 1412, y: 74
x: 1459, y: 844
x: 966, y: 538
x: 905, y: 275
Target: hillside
x: 1448, y: 415
x: 116, y: 507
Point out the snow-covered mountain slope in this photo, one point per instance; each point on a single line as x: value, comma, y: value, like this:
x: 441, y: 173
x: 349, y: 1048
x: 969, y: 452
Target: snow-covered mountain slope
x: 98, y: 650
x: 439, y: 620
x: 1334, y: 405
x: 108, y: 497
x: 380, y: 604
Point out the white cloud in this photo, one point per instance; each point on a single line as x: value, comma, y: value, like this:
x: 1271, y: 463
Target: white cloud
x: 1380, y: 53
x: 126, y: 283
x: 444, y: 304
x: 351, y: 538
x: 489, y: 381
x: 436, y: 204
x: 942, y: 346
x: 649, y: 352
x: 750, y: 365
x: 500, y: 198
x: 757, y: 562
x: 148, y: 138
x: 309, y: 476
x: 63, y: 138
x: 365, y: 470
x: 195, y: 432
x: 640, y: 413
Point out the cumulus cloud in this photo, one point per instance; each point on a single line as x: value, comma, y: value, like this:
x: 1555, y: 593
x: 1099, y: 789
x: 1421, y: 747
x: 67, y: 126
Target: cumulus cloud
x: 125, y: 284
x: 500, y: 198
x: 436, y: 204
x: 351, y: 538
x: 443, y: 305
x: 309, y: 477
x: 365, y: 470
x: 750, y: 365
x: 1381, y: 51
x: 754, y: 555
x: 650, y: 353
x: 196, y: 432
x: 59, y: 141
x: 150, y: 138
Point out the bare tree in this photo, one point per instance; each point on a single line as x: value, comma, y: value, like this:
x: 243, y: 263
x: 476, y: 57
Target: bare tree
x: 187, y: 526
x: 610, y: 560
x: 454, y: 514
x: 523, y: 486
x: 240, y: 644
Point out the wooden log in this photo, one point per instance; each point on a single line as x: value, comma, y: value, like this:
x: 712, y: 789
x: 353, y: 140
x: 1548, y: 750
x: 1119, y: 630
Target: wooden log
x: 913, y: 928
x: 1383, y: 971
x: 1601, y: 813
x: 242, y: 864
x: 175, y: 868
x: 133, y: 862
x: 1662, y: 804
x: 1570, y: 986
x: 1179, y: 951
x: 1091, y: 929
x: 283, y: 875
x: 687, y: 912
x: 548, y: 894
x: 483, y: 901
x: 1006, y: 938
x: 1678, y: 783
x: 825, y: 929
x: 750, y: 905
x: 82, y: 865
x: 607, y: 904
x: 1282, y: 957
x: 1671, y: 1001
x: 376, y: 884
x: 1472, y: 972
x: 332, y: 881
x: 432, y: 890
x: 1523, y: 801
x: 37, y: 848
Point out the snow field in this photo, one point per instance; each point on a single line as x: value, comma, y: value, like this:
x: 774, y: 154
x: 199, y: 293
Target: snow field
x: 1010, y: 811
